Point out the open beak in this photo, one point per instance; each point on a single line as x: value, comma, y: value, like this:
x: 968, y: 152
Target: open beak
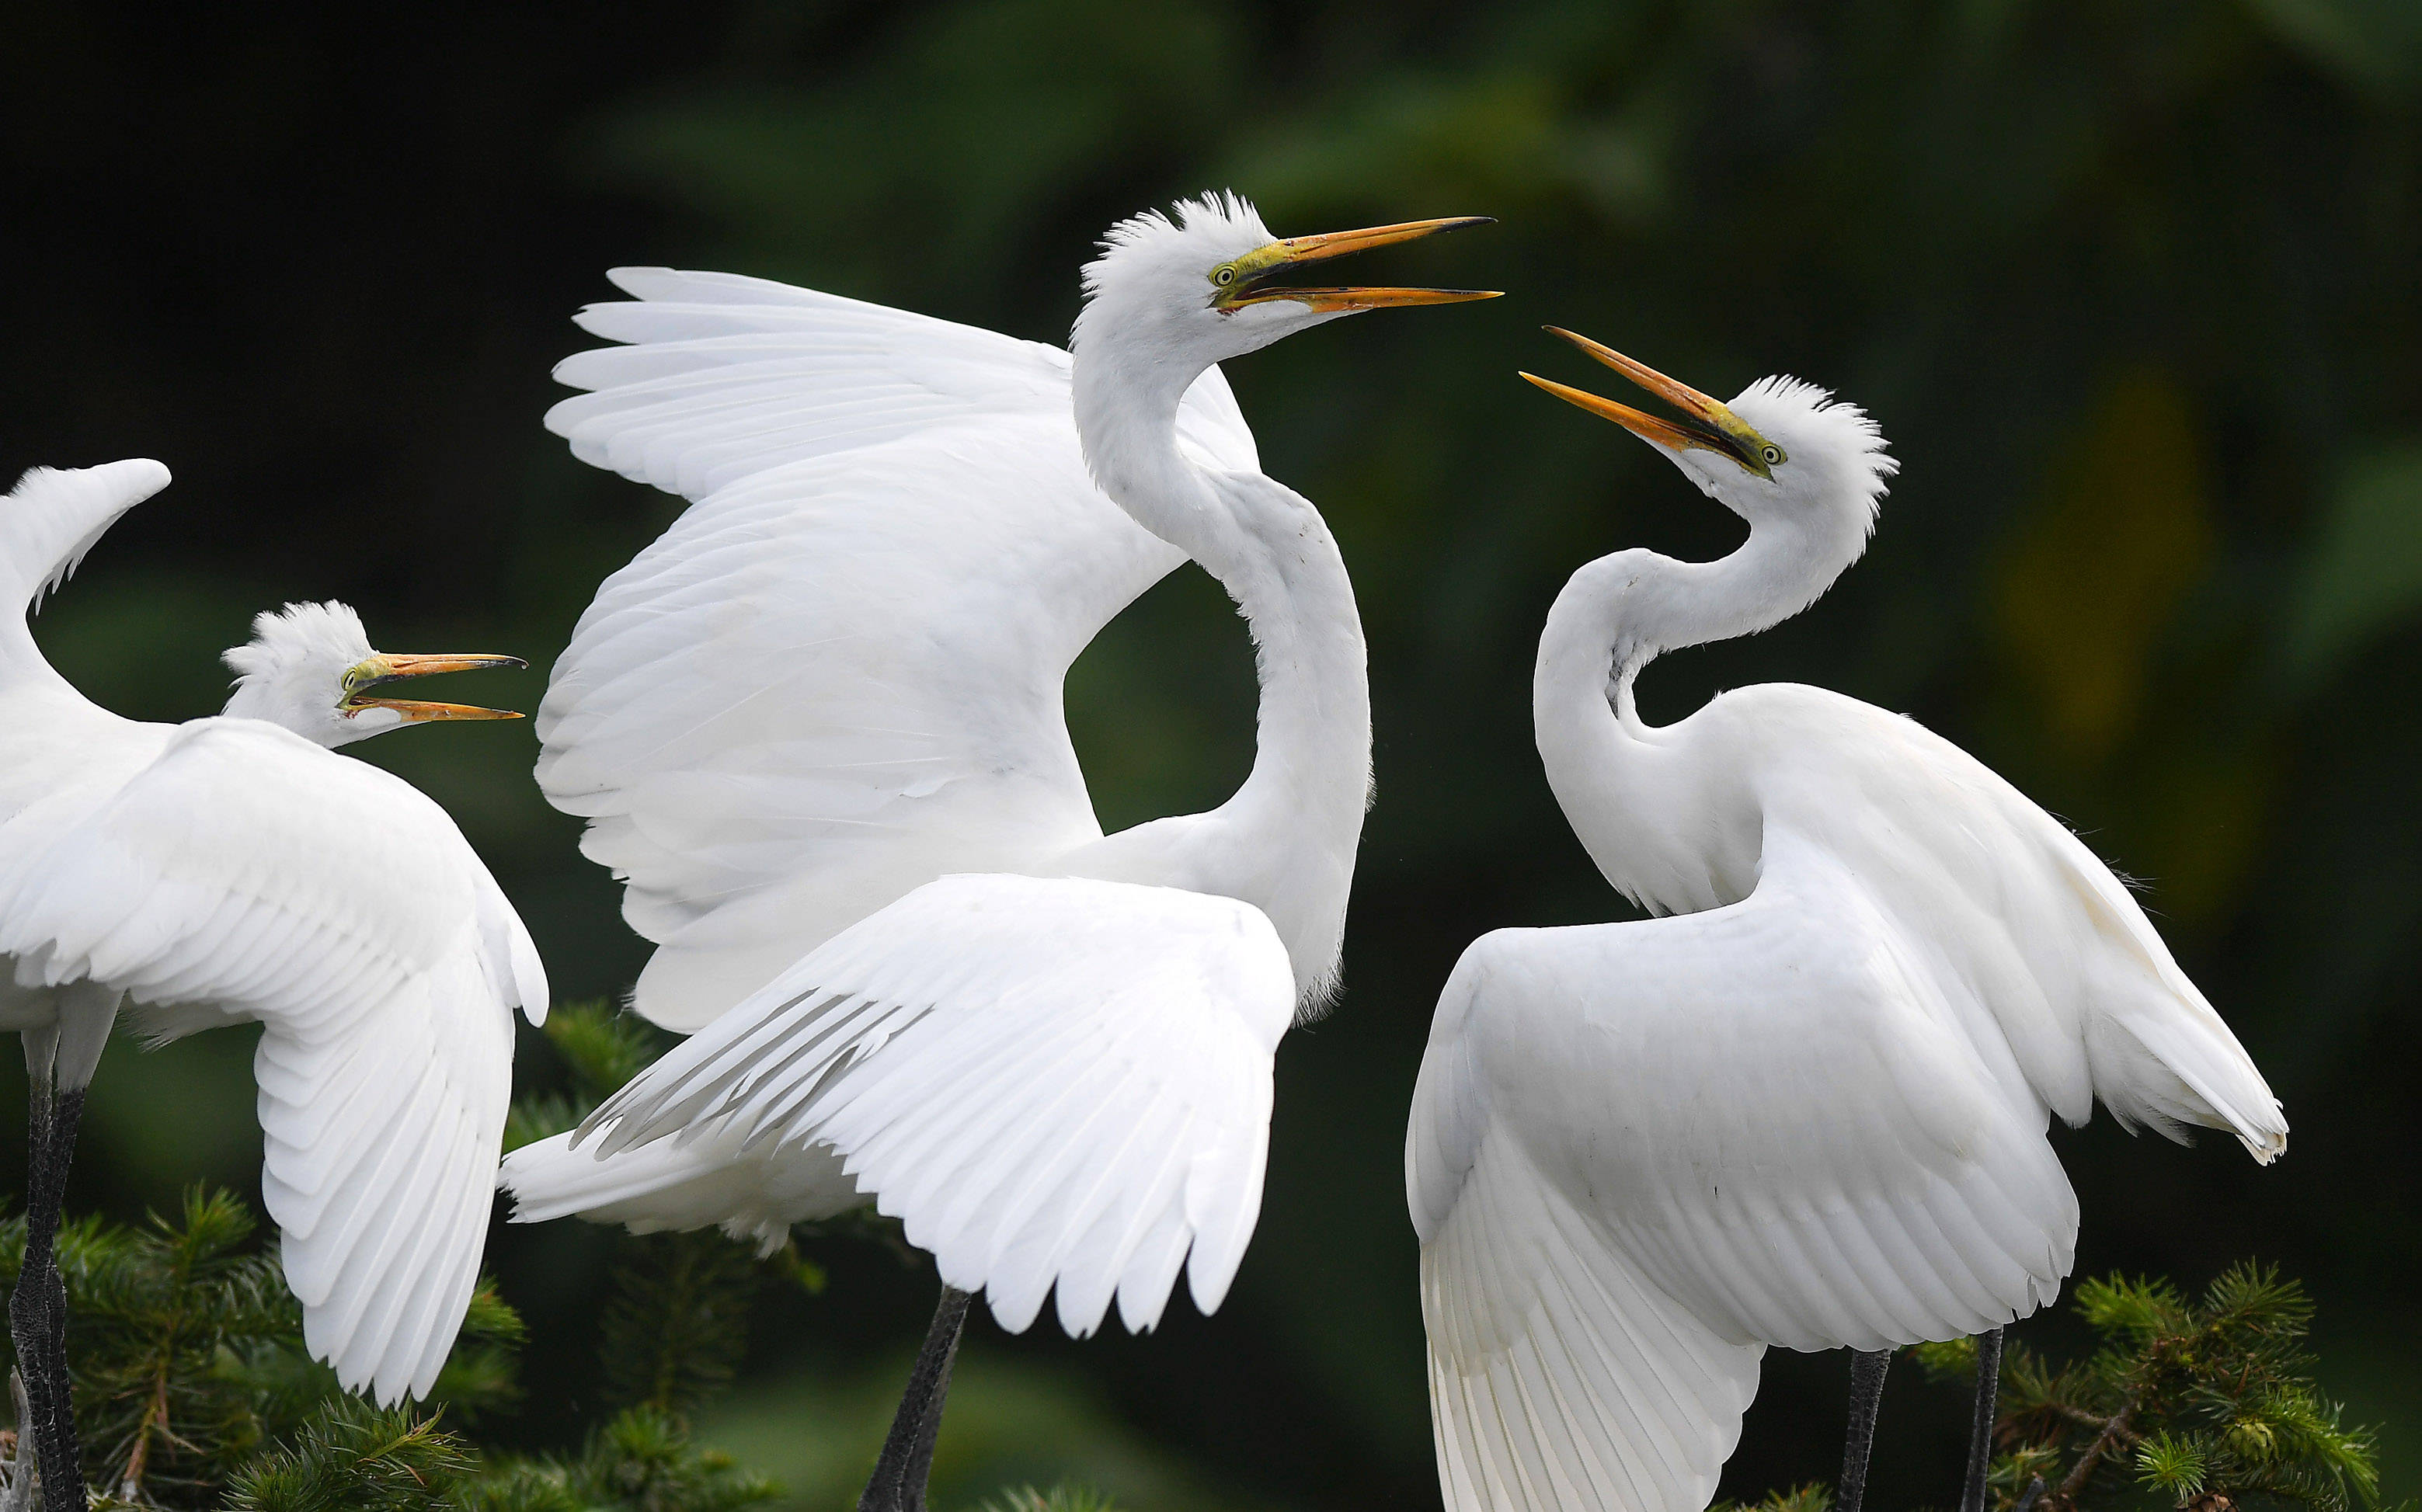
x: 1706, y: 424
x: 397, y: 666
x: 1255, y: 266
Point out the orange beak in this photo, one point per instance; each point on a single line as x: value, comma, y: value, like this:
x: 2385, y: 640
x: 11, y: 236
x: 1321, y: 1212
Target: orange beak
x: 395, y: 666
x: 1249, y: 270
x: 1708, y: 425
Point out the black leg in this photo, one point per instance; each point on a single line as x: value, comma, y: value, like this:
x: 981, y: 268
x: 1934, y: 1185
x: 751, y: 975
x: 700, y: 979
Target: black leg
x: 1868, y: 1368
x: 1980, y: 1432
x: 899, y: 1481
x: 37, y: 1310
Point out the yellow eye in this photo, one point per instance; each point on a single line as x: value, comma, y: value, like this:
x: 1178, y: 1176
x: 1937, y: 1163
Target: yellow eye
x: 1771, y: 455
x: 1224, y: 277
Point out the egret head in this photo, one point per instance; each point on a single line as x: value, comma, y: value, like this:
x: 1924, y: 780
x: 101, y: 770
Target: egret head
x: 310, y: 668
x: 1203, y: 285
x: 1783, y: 451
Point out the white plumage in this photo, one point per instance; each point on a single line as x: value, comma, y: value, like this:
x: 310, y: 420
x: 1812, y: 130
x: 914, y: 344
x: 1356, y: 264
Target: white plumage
x: 228, y: 870
x: 817, y: 728
x: 1809, y: 1107
x: 837, y: 675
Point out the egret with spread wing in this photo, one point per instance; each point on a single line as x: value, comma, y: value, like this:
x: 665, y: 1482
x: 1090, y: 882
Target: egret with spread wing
x: 817, y: 727
x: 1806, y: 1104
x: 232, y: 870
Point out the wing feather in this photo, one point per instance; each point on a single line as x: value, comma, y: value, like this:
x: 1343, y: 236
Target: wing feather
x: 1068, y: 1084
x: 837, y: 677
x: 1642, y: 1152
x: 246, y: 874
x: 712, y: 1179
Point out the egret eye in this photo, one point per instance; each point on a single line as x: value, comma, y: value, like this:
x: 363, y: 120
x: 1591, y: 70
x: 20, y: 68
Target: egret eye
x: 1771, y: 455
x: 1224, y: 277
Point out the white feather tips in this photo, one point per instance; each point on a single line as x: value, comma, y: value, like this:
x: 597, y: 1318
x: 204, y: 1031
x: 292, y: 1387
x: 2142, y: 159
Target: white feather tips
x: 1838, y: 440
x: 1051, y: 1082
x: 1191, y: 238
x: 54, y: 516
x: 329, y: 631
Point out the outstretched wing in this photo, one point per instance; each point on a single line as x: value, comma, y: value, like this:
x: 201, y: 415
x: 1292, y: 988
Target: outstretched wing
x: 247, y: 873
x: 838, y: 676
x: 1640, y: 1151
x: 1049, y: 1081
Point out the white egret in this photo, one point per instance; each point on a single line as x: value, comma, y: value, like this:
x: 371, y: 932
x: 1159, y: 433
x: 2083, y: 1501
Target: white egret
x: 817, y: 726
x: 1807, y: 1105
x: 228, y: 870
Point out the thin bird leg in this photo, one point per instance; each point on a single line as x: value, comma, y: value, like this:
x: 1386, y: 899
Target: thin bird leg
x: 23, y: 1481
x: 1980, y: 1432
x: 899, y: 1481
x: 1868, y: 1368
x: 37, y: 1310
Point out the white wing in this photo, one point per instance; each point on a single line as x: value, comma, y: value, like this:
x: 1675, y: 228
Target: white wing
x: 713, y: 1179
x: 1049, y: 1081
x: 1639, y: 1151
x: 247, y: 873
x: 838, y: 676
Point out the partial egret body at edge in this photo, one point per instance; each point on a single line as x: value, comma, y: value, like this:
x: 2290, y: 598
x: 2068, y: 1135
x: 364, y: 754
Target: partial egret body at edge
x: 233, y: 869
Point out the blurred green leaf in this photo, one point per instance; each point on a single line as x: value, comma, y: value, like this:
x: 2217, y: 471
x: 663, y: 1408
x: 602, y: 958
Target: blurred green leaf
x: 2373, y: 45
x: 2124, y: 529
x: 2362, y: 573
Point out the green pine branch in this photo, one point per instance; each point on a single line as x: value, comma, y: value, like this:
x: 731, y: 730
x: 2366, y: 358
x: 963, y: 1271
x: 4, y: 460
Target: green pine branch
x: 1064, y: 1498
x: 2197, y: 1404
x: 602, y: 1048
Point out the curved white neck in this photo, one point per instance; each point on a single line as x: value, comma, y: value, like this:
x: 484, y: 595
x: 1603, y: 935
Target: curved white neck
x: 1667, y: 831
x: 1285, y: 842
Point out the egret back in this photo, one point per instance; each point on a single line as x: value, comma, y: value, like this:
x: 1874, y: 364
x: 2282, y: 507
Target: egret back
x: 2050, y: 952
x: 838, y: 674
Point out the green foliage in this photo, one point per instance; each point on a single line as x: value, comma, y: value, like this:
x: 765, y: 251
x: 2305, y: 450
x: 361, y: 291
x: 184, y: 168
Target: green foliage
x: 2205, y: 1404
x: 350, y: 1457
x: 1067, y: 1499
x: 641, y: 1461
x: 602, y: 1048
x: 185, y: 1346
x: 194, y: 1389
x: 2187, y: 1399
x: 677, y: 1326
x: 1813, y: 1497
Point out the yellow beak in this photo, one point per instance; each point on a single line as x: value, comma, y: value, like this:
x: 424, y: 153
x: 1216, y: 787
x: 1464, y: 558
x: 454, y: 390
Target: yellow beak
x: 1260, y: 263
x: 396, y: 665
x: 1708, y: 424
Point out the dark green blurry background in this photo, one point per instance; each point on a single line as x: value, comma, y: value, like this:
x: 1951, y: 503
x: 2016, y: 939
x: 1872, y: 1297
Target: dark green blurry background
x: 2132, y: 289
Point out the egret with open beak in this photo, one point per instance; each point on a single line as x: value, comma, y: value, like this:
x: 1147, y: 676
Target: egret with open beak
x: 1705, y: 425
x: 386, y: 668
x: 1241, y: 282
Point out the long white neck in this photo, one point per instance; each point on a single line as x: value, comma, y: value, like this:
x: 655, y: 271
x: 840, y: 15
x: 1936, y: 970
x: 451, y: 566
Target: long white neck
x: 1667, y: 830
x: 1285, y: 842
